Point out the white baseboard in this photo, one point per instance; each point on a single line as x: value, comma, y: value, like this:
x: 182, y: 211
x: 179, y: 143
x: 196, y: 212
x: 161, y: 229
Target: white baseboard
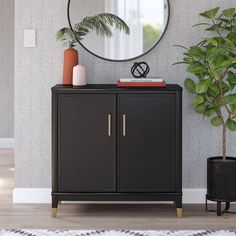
x: 31, y: 195
x: 7, y: 143
x: 43, y: 195
x: 194, y: 195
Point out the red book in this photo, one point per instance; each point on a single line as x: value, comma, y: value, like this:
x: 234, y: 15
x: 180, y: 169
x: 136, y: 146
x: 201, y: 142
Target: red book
x: 141, y: 84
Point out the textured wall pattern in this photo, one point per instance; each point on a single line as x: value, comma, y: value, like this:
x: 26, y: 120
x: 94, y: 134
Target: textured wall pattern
x: 6, y: 68
x: 39, y: 68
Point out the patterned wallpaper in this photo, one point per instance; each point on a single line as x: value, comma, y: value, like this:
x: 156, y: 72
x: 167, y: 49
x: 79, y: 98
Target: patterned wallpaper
x: 38, y: 69
x: 6, y: 68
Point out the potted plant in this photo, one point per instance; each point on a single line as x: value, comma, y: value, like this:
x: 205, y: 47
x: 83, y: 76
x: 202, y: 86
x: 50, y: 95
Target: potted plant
x: 101, y: 23
x: 212, y: 62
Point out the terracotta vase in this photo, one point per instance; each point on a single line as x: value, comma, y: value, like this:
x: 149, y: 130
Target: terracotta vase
x: 70, y: 60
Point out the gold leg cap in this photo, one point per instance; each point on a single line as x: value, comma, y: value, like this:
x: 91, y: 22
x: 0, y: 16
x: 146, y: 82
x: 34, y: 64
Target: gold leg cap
x: 54, y: 212
x: 179, y: 212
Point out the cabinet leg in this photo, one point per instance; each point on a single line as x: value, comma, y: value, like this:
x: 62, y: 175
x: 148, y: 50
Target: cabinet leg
x: 179, y: 209
x: 54, y: 212
x: 54, y: 206
x: 179, y: 212
x: 219, y: 209
x: 227, y: 206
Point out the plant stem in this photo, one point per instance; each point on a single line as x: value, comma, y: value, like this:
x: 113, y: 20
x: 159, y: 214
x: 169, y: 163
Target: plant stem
x: 224, y: 141
x: 224, y: 129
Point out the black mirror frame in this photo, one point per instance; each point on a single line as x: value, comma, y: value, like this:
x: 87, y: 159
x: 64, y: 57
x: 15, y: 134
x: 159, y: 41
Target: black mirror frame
x: 124, y: 60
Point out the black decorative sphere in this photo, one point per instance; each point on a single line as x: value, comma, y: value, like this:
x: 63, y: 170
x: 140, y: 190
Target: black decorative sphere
x: 140, y: 70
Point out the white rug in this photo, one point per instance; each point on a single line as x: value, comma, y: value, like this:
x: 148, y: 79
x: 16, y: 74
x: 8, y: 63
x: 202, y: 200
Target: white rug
x: 115, y: 233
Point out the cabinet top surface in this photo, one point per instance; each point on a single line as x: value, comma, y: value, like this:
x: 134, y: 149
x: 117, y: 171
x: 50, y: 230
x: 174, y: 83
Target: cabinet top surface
x: 114, y: 88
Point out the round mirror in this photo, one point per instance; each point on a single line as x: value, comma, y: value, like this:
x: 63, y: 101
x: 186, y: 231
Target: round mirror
x: 147, y: 21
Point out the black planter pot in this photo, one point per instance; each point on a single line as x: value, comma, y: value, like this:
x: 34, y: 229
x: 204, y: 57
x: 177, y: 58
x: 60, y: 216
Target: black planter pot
x: 221, y: 181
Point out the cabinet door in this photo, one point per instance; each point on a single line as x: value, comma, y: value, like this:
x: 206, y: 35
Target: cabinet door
x: 87, y: 143
x: 147, y: 143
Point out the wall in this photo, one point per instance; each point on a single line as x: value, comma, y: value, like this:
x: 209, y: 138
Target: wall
x: 6, y: 69
x: 40, y: 68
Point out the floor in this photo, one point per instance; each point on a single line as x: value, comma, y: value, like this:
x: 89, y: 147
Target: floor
x: 75, y: 216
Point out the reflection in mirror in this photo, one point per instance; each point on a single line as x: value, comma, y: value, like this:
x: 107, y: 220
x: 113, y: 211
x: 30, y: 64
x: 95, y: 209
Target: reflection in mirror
x: 147, y: 20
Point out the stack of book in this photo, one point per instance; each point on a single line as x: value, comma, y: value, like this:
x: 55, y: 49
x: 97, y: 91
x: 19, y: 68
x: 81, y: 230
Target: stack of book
x: 145, y: 82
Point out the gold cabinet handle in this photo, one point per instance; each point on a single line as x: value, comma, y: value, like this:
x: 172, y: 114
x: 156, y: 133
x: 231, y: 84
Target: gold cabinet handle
x: 124, y: 125
x: 109, y: 125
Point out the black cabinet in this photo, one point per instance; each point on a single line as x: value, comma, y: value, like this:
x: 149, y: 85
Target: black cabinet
x: 146, y: 159
x: 114, y: 144
x: 87, y: 154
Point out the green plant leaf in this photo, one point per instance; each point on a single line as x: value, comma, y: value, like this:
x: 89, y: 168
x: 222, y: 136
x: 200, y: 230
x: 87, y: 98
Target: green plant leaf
x: 180, y: 46
x: 233, y: 109
x: 231, y: 99
x: 216, y: 121
x: 200, y: 108
x: 215, y: 52
x: 190, y: 85
x: 214, y: 90
x: 196, y: 68
x: 226, y: 21
x: 220, y: 40
x: 229, y: 13
x: 231, y: 124
x: 188, y: 60
x: 225, y: 87
x: 197, y: 100
x: 202, y: 43
x: 196, y: 52
x: 203, y: 86
x: 67, y: 37
x: 211, y: 13
x: 214, y: 27
x: 212, y: 41
x: 180, y: 62
x: 224, y: 64
x: 200, y: 24
x: 216, y: 62
x: 214, y: 73
x: 219, y: 102
x: 102, y: 24
x: 229, y: 43
x: 210, y: 111
x: 232, y: 59
x: 231, y: 77
x: 232, y: 36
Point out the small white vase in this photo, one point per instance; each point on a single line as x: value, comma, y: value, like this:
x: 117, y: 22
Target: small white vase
x: 79, y: 76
